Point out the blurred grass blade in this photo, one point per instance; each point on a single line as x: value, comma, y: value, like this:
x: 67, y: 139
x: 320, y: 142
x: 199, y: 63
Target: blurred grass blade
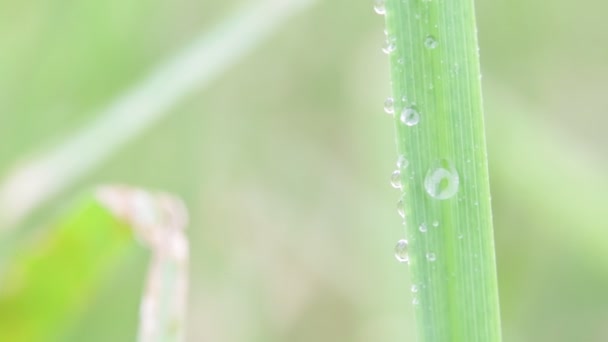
x: 38, y: 179
x: 160, y: 221
x: 443, y: 168
x: 48, y: 283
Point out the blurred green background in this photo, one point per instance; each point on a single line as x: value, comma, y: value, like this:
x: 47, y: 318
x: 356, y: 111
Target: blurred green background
x: 284, y: 162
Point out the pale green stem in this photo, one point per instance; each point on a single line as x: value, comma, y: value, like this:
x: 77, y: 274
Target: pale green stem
x: 41, y: 177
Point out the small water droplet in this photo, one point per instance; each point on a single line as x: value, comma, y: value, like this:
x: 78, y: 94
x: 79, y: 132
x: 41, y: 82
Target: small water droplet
x: 414, y: 288
x: 460, y: 237
x: 401, y: 61
x: 416, y: 301
x: 410, y: 116
x: 379, y: 7
x: 404, y: 99
x: 402, y: 162
x: 435, y: 223
x: 430, y: 42
x: 389, y: 47
x: 396, y: 179
x: 400, y: 208
x: 423, y: 228
x: 389, y: 105
x: 442, y: 181
x: 401, y: 251
x: 431, y: 257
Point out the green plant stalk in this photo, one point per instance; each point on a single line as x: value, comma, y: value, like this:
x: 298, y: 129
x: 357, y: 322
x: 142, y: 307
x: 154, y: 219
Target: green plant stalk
x: 434, y: 68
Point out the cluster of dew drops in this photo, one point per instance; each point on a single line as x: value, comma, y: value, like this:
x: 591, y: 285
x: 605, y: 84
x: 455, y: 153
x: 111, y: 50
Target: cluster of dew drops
x: 441, y: 181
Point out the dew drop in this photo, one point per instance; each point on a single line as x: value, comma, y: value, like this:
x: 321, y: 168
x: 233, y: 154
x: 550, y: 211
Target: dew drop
x: 401, y: 251
x: 404, y: 99
x: 430, y: 42
x: 379, y: 7
x: 389, y: 47
x: 402, y: 162
x: 400, y: 208
x: 442, y: 181
x: 389, y: 105
x: 410, y: 116
x: 431, y: 257
x: 416, y: 301
x: 414, y: 288
x: 396, y: 179
x: 401, y: 61
x: 435, y: 223
x: 423, y: 228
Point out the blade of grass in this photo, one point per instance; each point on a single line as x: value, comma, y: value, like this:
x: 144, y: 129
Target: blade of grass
x: 41, y: 177
x: 160, y: 221
x: 443, y: 171
x: 48, y: 284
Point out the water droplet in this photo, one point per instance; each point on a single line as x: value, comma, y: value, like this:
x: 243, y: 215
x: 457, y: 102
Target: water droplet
x: 414, y: 288
x: 416, y: 301
x: 389, y: 47
x: 402, y: 162
x: 400, y: 208
x: 435, y: 223
x: 423, y: 228
x: 442, y: 181
x: 404, y: 99
x: 389, y: 105
x: 460, y: 237
x: 401, y: 61
x: 431, y: 257
x: 410, y: 116
x: 401, y: 251
x: 430, y: 42
x: 379, y: 7
x: 396, y: 179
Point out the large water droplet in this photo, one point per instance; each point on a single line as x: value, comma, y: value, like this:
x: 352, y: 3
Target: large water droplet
x: 379, y: 7
x: 430, y: 42
x: 389, y: 105
x: 431, y: 257
x: 401, y: 251
x: 423, y: 228
x: 410, y: 116
x: 442, y: 181
x: 396, y: 179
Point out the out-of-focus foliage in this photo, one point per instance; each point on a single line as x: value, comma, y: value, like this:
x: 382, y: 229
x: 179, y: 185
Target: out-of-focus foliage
x: 284, y: 163
x: 48, y: 283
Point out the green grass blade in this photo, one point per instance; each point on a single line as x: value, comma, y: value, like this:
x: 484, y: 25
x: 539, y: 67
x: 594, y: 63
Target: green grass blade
x: 48, y: 284
x: 437, y: 107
